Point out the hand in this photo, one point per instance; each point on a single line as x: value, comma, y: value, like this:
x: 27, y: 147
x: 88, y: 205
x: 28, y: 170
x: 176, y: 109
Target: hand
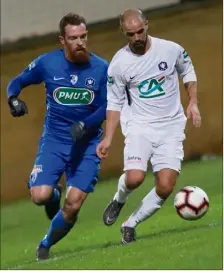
x: 78, y: 130
x: 103, y: 148
x: 193, y: 111
x: 17, y: 107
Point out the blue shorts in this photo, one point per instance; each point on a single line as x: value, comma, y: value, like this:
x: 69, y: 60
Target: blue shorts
x: 79, y: 162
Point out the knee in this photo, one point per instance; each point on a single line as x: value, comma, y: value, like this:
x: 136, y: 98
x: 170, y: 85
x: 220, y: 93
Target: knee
x: 134, y: 178
x: 40, y: 195
x: 73, y: 202
x: 71, y: 209
x: 165, y: 185
x: 164, y: 190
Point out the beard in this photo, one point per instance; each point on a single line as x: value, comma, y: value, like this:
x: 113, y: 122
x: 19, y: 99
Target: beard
x: 80, y: 56
x: 139, y: 46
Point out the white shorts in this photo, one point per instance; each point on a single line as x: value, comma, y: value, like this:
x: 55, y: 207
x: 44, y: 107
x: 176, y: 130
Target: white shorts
x: 126, y: 116
x: 163, y: 146
x: 124, y: 127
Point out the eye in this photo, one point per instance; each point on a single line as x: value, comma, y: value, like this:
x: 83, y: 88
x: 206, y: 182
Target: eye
x: 128, y: 34
x: 83, y: 36
x: 141, y: 31
x: 72, y: 38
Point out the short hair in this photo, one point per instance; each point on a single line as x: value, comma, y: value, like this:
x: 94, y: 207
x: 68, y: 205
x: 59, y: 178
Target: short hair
x: 70, y: 18
x: 140, y: 14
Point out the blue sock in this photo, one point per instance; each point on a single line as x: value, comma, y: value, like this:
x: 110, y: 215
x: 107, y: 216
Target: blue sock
x: 55, y: 196
x: 59, y: 228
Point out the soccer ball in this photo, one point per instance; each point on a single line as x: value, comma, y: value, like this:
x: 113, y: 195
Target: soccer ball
x: 191, y: 203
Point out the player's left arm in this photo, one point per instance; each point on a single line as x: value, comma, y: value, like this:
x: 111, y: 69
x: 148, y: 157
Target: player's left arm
x: 80, y: 128
x: 186, y: 71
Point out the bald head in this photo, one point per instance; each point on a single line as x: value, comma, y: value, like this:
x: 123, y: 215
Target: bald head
x: 130, y: 15
x: 134, y: 26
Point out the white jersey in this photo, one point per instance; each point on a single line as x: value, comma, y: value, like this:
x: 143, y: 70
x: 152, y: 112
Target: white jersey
x: 151, y: 80
x: 126, y: 113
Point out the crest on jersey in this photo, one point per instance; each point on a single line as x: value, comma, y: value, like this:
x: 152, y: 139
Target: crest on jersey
x: 90, y: 82
x: 163, y: 66
x: 74, y: 79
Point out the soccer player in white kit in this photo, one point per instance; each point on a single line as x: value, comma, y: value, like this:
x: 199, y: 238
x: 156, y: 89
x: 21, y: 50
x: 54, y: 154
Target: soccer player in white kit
x: 147, y: 69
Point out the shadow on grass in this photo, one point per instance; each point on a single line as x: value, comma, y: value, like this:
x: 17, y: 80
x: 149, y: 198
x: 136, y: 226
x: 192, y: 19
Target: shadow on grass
x: 140, y: 237
x: 67, y: 253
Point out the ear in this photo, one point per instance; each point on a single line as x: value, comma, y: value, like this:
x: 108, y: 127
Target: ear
x: 121, y: 29
x: 62, y: 40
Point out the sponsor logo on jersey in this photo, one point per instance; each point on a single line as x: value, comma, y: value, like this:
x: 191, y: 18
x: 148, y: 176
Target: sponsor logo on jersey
x: 73, y: 96
x: 58, y: 78
x: 134, y: 159
x: 31, y: 65
x: 151, y: 88
x: 110, y: 80
x: 185, y: 54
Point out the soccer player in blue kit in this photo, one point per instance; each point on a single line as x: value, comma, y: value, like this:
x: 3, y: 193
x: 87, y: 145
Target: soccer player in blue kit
x: 75, y: 81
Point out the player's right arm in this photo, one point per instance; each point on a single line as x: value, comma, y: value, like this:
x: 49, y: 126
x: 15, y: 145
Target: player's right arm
x: 115, y: 102
x: 30, y: 76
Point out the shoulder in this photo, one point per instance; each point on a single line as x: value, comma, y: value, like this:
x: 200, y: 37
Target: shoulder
x: 49, y: 59
x: 167, y: 44
x: 99, y: 61
x: 119, y: 60
x: 55, y: 54
x: 45, y: 57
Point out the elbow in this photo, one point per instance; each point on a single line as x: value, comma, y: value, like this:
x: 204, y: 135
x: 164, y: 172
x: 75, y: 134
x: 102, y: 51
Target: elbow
x: 14, y: 87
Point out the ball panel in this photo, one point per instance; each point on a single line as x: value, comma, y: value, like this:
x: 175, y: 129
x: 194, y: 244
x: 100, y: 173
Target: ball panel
x: 191, y: 203
x: 180, y: 198
x: 187, y: 213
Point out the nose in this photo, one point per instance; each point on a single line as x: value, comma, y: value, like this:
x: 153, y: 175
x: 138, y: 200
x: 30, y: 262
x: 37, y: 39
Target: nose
x: 79, y: 41
x: 137, y: 37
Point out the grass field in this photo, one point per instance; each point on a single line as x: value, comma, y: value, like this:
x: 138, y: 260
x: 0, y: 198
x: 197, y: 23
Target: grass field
x: 163, y: 242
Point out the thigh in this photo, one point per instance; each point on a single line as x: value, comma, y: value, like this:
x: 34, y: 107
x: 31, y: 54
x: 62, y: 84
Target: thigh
x: 82, y: 171
x: 168, y: 155
x: 49, y: 164
x: 137, y: 151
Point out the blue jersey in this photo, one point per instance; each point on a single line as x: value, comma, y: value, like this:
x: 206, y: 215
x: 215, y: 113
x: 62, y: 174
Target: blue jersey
x: 73, y: 92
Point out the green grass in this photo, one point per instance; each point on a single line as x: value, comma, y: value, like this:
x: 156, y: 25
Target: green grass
x: 165, y: 241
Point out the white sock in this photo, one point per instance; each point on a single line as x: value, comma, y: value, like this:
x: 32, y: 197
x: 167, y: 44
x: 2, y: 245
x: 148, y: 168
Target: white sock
x: 149, y: 205
x: 122, y: 190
